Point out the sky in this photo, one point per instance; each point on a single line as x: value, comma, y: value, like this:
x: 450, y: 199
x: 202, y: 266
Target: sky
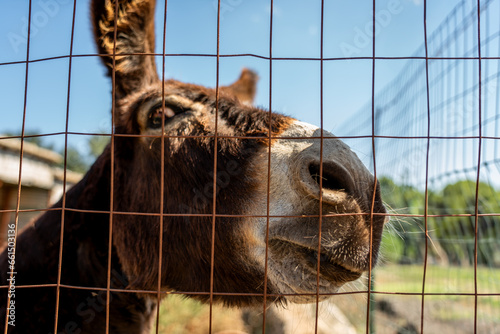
x: 191, y: 28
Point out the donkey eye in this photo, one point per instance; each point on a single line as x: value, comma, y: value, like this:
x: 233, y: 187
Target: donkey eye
x: 157, y: 112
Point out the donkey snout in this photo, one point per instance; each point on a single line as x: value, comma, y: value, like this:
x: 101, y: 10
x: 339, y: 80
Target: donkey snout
x: 346, y: 193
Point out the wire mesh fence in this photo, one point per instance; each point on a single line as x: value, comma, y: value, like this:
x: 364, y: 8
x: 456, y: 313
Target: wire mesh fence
x: 429, y: 131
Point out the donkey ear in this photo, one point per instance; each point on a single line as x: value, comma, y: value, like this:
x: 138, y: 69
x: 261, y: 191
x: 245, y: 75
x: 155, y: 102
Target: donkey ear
x: 245, y: 87
x: 134, y: 37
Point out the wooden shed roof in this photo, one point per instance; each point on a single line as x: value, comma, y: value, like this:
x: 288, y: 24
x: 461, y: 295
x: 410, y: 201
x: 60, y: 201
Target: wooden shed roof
x: 14, y: 144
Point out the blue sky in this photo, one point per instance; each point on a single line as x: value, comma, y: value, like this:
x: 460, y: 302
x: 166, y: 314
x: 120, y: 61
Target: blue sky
x: 192, y: 29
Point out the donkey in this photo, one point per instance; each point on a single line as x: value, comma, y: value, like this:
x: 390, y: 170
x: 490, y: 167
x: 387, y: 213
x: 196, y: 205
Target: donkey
x: 184, y: 191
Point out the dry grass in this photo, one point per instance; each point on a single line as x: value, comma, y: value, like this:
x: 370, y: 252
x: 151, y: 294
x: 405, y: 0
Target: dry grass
x: 180, y: 315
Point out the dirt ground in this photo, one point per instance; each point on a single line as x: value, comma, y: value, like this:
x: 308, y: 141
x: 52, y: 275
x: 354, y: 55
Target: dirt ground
x: 397, y: 314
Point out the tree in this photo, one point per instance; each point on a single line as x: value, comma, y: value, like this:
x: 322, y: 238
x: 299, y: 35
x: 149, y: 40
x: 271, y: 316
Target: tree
x: 451, y: 224
x: 97, y: 145
x: 458, y: 200
x: 74, y: 160
x: 407, y: 232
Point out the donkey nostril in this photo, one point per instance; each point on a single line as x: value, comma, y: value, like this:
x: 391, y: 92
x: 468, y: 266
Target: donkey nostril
x: 333, y: 176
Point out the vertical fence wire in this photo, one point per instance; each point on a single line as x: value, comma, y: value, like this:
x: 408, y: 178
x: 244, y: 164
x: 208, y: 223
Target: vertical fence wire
x: 21, y: 154
x: 268, y: 185
x: 426, y: 191
x: 162, y: 167
x: 369, y: 321
x: 320, y: 213
x: 214, y: 183
x: 112, y: 167
x: 63, y: 206
x: 479, y: 150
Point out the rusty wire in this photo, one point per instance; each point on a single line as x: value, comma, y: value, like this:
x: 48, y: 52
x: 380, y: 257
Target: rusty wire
x: 427, y: 150
x: 246, y: 294
x: 214, y: 184
x: 266, y: 256
x: 238, y: 55
x: 479, y: 155
x: 162, y: 172
x: 63, y: 206
x: 370, y: 276
x: 320, y: 209
x: 373, y: 136
x: 18, y: 200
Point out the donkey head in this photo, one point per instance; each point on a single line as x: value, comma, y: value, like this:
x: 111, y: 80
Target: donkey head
x: 210, y: 191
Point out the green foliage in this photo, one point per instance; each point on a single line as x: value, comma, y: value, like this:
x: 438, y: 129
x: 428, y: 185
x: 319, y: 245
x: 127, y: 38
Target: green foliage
x: 74, y: 160
x: 451, y: 223
x: 97, y: 145
x: 460, y: 199
x: 405, y: 235
x: 392, y: 247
